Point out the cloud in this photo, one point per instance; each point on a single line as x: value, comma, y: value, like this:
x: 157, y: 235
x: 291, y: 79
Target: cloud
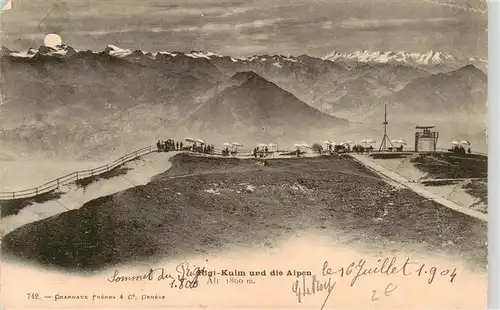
x: 217, y: 28
x: 219, y: 12
x: 103, y: 32
x: 188, y: 11
x: 259, y: 23
x: 327, y: 25
x: 355, y: 23
x: 243, y: 50
x: 236, y: 11
x: 452, y: 4
x: 183, y: 29
x: 227, y: 27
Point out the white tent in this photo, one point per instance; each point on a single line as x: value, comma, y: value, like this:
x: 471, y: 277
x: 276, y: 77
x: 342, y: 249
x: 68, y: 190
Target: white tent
x: 200, y: 141
x: 227, y: 144
x: 306, y: 146
x: 328, y: 142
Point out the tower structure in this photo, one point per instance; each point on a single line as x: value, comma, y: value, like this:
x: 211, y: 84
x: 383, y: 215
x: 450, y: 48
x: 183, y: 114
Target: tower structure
x: 385, y: 138
x: 426, y: 140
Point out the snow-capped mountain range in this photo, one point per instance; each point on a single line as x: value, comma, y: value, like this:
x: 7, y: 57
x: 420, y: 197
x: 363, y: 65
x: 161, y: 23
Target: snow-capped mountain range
x: 430, y: 58
x: 366, y: 56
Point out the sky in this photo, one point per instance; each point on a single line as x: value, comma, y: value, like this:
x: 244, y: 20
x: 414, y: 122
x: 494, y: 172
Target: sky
x: 242, y: 28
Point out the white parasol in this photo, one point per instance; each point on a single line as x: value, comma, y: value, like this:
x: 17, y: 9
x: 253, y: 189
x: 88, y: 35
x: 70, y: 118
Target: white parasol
x: 191, y: 140
x: 400, y: 142
x: 200, y: 141
x: 455, y: 142
x: 236, y: 145
x: 368, y: 141
x: 465, y: 142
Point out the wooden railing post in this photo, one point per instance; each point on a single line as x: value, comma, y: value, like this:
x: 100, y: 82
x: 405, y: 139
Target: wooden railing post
x: 13, y: 195
x: 77, y: 175
x: 36, y: 191
x: 57, y: 183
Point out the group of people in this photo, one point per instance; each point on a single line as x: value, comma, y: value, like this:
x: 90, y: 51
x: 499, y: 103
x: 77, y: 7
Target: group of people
x: 263, y: 151
x: 460, y: 150
x: 169, y: 145
x: 206, y: 149
x: 362, y: 149
x: 226, y: 152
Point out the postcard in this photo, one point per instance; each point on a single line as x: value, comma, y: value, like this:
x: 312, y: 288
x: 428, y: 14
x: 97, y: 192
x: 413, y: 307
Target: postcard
x: 305, y: 154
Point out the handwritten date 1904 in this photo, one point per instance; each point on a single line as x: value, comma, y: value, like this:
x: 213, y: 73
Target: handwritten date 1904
x: 389, y: 266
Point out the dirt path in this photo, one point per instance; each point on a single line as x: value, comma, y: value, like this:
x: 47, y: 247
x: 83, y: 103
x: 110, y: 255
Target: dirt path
x: 417, y: 188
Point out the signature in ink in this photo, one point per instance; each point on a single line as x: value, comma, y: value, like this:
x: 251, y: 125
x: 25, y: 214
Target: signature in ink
x: 311, y: 286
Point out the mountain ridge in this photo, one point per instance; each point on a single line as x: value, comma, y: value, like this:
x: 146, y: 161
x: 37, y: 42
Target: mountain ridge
x: 127, y: 96
x: 430, y: 58
x: 254, y: 107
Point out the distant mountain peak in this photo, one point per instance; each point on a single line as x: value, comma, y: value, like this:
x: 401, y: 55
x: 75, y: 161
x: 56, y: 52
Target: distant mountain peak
x: 470, y: 69
x: 116, y: 51
x: 429, y: 58
x: 245, y: 75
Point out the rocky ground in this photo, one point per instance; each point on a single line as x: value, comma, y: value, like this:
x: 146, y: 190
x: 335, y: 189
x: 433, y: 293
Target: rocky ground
x: 205, y: 204
x: 450, y: 165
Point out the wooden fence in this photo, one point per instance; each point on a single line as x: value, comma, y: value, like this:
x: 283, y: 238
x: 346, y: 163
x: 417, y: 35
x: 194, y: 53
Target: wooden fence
x: 75, y: 176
